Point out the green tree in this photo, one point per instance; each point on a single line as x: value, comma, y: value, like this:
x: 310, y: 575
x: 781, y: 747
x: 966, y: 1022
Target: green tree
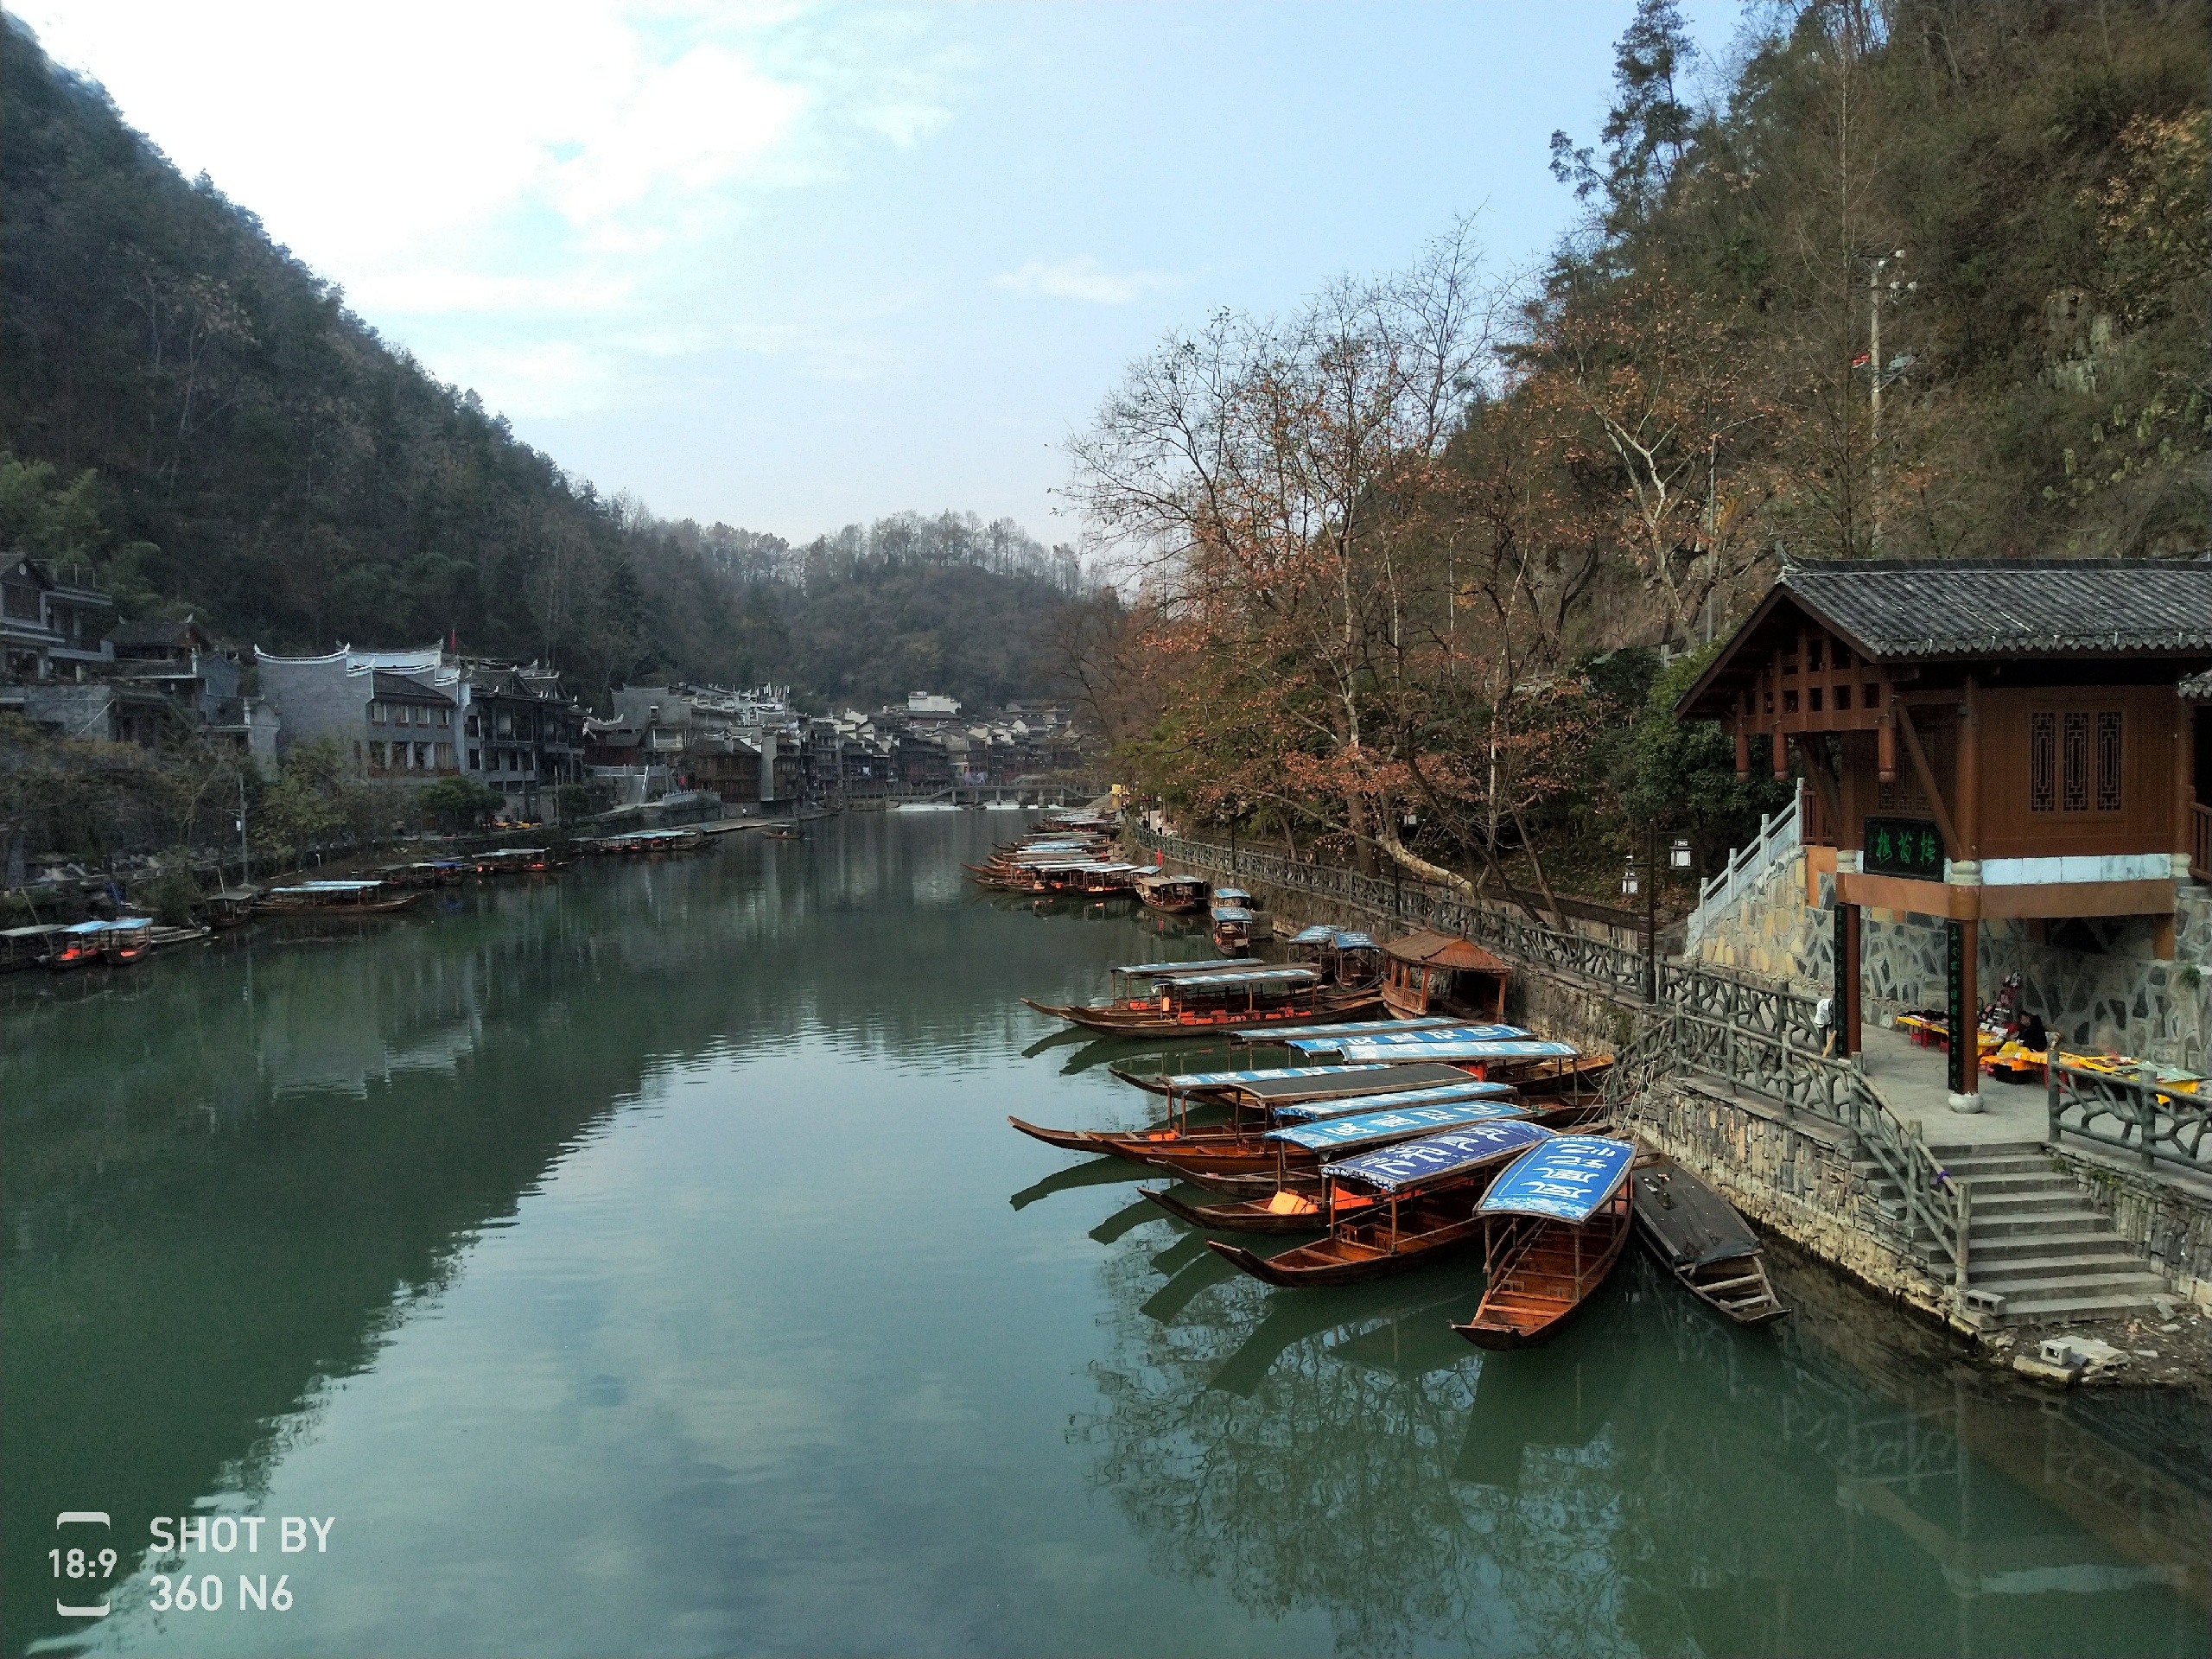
x: 460, y: 803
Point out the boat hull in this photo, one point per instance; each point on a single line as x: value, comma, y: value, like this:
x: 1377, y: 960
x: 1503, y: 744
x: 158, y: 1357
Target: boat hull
x: 1544, y: 1275
x: 1330, y: 1261
x: 1250, y: 1216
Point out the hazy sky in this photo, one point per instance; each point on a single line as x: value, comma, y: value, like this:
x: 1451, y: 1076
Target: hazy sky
x: 790, y: 266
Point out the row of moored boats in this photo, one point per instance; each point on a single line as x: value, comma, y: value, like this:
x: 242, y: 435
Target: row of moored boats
x: 1392, y: 1117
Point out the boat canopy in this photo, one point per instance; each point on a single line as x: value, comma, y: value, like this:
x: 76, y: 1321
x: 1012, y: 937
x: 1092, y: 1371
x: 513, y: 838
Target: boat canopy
x: 1247, y: 976
x: 1374, y: 1128
x: 1356, y: 941
x: 1168, y: 969
x: 1284, y: 1034
x: 1230, y: 913
x: 1440, y: 1157
x: 1336, y: 1081
x: 1452, y: 1032
x: 1527, y: 1048
x: 1315, y: 934
x: 328, y: 886
x: 88, y: 927
x: 1334, y: 938
x: 1466, y: 1088
x: 1568, y: 1178
x: 1235, y: 894
x: 1184, y: 1082
x: 43, y: 929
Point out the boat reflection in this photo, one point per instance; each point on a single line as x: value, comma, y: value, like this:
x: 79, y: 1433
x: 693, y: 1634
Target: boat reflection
x: 1651, y: 1480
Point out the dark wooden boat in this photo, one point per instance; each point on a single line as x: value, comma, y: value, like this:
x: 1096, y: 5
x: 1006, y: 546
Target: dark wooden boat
x: 1397, y: 1209
x: 1436, y: 973
x: 128, y: 939
x: 1698, y: 1237
x: 1233, y: 996
x: 26, y: 947
x: 1343, y: 958
x: 1178, y: 895
x: 1555, y: 1225
x: 163, y: 937
x: 232, y: 906
x: 335, y: 898
x: 782, y: 835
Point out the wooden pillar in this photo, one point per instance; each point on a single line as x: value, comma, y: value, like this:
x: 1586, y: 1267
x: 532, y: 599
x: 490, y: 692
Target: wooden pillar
x: 1847, y: 979
x: 1964, y: 1013
x: 1965, y: 786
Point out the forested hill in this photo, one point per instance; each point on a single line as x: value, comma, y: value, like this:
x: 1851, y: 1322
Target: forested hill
x: 260, y: 456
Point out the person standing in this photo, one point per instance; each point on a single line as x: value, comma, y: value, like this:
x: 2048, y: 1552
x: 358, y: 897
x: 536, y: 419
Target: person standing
x: 1824, y: 1024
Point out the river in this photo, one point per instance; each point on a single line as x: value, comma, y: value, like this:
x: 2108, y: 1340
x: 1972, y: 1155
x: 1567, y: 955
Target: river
x: 639, y: 1262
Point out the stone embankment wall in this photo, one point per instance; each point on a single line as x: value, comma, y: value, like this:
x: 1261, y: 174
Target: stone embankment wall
x: 2124, y: 998
x: 1797, y: 1178
x: 2170, y: 1223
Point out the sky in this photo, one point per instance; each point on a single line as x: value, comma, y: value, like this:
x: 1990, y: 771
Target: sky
x: 791, y: 267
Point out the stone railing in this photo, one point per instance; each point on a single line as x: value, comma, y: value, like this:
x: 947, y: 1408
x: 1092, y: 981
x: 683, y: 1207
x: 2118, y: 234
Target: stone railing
x: 2133, y: 1114
x: 1778, y: 837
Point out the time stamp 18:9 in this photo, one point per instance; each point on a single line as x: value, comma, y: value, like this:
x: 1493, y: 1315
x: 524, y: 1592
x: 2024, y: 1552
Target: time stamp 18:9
x: 83, y: 1570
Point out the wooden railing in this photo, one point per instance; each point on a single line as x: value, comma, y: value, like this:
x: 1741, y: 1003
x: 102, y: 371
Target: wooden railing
x: 2130, y: 1113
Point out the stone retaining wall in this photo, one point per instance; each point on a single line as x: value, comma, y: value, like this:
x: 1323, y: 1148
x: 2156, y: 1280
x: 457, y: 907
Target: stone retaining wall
x: 2124, y: 998
x: 2170, y: 1223
x: 1788, y: 1180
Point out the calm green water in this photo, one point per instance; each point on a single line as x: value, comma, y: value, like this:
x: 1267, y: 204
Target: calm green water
x: 640, y: 1262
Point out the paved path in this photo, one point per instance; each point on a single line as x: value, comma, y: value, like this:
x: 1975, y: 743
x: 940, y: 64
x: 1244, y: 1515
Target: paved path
x: 1913, y: 1078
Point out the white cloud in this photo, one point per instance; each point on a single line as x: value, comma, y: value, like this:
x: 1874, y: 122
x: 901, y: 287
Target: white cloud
x: 1084, y: 279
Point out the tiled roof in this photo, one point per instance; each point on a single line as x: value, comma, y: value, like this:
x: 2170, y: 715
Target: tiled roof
x: 1950, y: 608
x: 2197, y: 688
x: 398, y: 688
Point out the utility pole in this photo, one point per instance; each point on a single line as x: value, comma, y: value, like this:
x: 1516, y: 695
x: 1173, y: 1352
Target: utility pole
x: 245, y: 859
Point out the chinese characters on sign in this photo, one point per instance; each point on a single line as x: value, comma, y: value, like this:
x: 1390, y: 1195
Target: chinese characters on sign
x: 1909, y: 847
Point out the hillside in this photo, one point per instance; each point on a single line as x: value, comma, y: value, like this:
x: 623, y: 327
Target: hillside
x: 195, y: 416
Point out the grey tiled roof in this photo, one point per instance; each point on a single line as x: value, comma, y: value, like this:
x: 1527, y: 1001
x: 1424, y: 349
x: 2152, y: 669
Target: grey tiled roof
x: 1958, y: 607
x: 2197, y: 688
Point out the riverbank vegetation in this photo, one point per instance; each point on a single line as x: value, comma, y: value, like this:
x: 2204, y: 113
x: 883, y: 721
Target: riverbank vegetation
x: 1422, y: 567
x: 193, y: 420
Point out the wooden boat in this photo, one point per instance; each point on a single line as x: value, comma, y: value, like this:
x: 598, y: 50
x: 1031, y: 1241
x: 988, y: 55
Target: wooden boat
x: 78, y: 945
x: 163, y: 937
x: 1191, y: 1004
x: 1533, y: 1064
x: 782, y: 835
x: 1176, y: 894
x: 340, y: 899
x: 1344, y: 1027
x: 1260, y: 925
x: 1297, y: 1202
x: 1436, y: 973
x: 1206, y: 1085
x: 1402, y: 1207
x: 1555, y: 1222
x: 231, y: 907
x: 1344, y: 957
x: 1256, y: 1106
x: 1698, y: 1237
x: 26, y: 947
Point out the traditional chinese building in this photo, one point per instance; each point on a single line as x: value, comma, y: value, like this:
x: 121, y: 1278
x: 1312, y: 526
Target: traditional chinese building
x: 2014, y: 740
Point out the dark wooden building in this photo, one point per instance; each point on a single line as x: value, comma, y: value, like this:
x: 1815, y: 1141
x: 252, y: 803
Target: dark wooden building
x: 2016, y: 739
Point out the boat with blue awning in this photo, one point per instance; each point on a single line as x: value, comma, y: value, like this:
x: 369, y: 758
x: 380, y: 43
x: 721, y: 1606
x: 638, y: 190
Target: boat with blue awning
x: 1183, y: 1002
x: 1344, y: 1027
x: 1398, y: 1207
x: 1555, y: 1225
x: 1234, y: 1147
x: 1418, y: 1037
x: 1535, y: 1064
x: 1297, y: 1204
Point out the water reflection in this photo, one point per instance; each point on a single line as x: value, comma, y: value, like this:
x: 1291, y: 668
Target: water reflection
x: 1651, y: 1481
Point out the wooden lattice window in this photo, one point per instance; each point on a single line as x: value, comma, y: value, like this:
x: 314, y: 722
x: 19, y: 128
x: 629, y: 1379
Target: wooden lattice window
x: 2043, y: 763
x: 2073, y: 774
x: 2108, y: 758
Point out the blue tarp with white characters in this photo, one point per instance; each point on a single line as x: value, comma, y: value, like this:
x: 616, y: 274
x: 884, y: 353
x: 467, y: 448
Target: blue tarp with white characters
x: 1361, y: 1128
x: 1373, y: 1037
x: 1183, y: 1082
x: 1438, y: 1157
x: 1284, y: 1034
x: 1567, y: 1179
x: 1306, y: 1111
x: 1462, y: 1049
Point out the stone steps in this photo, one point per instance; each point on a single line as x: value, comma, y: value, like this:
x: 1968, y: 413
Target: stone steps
x: 2034, y: 1239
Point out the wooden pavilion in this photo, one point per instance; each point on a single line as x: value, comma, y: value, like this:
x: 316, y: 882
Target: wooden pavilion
x: 2016, y: 738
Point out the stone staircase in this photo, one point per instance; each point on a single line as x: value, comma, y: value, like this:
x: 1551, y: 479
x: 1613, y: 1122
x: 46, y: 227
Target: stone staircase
x: 2035, y: 1240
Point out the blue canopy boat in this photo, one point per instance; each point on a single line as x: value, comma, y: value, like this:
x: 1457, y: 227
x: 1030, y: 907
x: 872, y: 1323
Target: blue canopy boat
x: 1556, y: 1222
x: 1446, y: 1032
x: 1346, y: 1027
x: 1186, y: 1003
x: 1298, y: 1202
x: 1398, y: 1207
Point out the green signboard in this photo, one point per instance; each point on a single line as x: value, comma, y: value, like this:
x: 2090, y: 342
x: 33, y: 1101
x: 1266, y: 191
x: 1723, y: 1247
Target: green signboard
x: 1965, y: 1057
x: 1910, y: 846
